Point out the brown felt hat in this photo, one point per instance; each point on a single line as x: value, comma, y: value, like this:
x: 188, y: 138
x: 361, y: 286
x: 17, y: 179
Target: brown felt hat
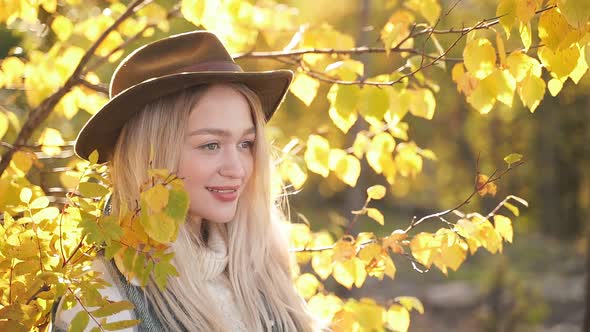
x: 166, y: 66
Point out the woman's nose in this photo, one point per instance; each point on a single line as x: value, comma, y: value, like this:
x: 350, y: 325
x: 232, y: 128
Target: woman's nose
x: 232, y: 165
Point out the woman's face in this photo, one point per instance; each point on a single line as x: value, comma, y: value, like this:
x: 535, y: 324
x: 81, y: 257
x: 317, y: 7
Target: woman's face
x: 217, y: 154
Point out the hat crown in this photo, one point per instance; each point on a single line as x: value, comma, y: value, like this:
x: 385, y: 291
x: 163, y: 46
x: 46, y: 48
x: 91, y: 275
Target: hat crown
x: 192, y: 51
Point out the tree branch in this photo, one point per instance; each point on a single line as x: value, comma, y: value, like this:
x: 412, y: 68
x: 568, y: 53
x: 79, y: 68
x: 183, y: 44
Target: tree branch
x: 41, y: 112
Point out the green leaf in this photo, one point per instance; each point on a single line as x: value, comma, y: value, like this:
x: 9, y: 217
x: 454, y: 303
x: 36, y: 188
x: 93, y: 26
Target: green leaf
x: 79, y: 322
x: 112, y: 308
x: 177, y: 205
x: 512, y: 158
x: 128, y: 258
x: 161, y: 272
x: 112, y: 249
x: 92, y: 189
x: 93, y: 158
x: 160, y: 227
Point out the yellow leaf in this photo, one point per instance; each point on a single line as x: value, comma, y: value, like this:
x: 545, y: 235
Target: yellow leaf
x: 484, y: 187
x: 503, y: 226
x: 345, y: 273
x: 555, y: 32
x: 321, y: 263
x: 507, y: 12
x: 316, y: 155
x: 92, y: 189
x: 305, y: 88
x: 425, y: 248
x: 300, y: 235
x: 21, y: 162
x: 429, y: 9
x: 376, y: 192
x: 398, y: 318
x: 93, y: 158
x: 334, y: 157
x: 193, y: 10
x: 560, y: 62
x: 379, y: 152
x: 348, y: 169
x: 408, y: 161
x: 49, y: 5
x: 3, y: 124
x: 12, y: 71
x: 581, y: 68
x: 397, y: 29
x: 554, y: 85
x: 25, y: 195
x: 465, y: 82
x: 525, y: 9
x: 454, y: 255
x: 501, y: 49
x: 343, y: 250
x: 40, y: 203
x: 520, y: 64
x: 51, y: 140
x: 159, y: 226
x: 410, y: 302
x: 513, y: 158
x: 479, y: 57
x: 373, y: 103
x: 390, y: 268
x: 347, y: 69
x: 49, y: 213
x: 156, y: 197
x: 307, y: 285
x: 350, y: 272
x: 399, y: 104
x: 531, y: 91
x: 360, y: 145
x: 345, y: 321
x: 343, y: 100
x: 62, y: 27
x: 324, y: 306
x: 293, y: 172
x: 576, y: 12
x: 423, y: 103
x: 369, y: 252
x: 487, y: 235
x: 376, y: 215
x: 512, y: 208
x: 526, y: 35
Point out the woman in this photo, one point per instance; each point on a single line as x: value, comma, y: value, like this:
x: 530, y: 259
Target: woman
x: 204, y: 116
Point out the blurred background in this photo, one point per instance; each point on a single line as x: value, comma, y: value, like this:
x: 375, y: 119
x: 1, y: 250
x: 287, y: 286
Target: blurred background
x: 538, y: 284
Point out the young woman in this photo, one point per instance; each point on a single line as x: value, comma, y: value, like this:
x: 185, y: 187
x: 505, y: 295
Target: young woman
x: 205, y: 118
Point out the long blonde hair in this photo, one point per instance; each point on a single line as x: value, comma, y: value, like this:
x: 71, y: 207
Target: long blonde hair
x: 259, y: 265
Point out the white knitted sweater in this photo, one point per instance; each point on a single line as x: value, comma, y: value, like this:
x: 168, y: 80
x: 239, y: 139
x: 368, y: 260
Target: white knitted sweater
x: 209, y: 266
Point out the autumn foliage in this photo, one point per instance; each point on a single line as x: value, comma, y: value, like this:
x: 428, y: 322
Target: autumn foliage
x: 47, y: 246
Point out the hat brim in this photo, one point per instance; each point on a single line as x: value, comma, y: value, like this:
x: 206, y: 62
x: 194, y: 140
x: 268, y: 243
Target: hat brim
x: 103, y: 128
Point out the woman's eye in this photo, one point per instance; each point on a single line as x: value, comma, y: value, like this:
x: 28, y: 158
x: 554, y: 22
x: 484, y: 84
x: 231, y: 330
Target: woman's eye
x: 247, y: 144
x: 210, y: 146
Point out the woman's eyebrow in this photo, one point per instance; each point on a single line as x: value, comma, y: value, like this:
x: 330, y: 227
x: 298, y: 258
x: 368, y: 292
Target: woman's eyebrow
x: 219, y: 132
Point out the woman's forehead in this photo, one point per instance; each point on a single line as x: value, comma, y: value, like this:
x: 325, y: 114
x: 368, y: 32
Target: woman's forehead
x: 221, y: 109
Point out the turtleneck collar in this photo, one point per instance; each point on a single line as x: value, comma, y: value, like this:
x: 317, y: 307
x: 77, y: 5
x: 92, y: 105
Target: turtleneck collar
x: 211, y: 260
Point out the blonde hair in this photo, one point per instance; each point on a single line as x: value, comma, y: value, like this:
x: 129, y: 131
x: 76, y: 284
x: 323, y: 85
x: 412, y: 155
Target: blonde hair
x: 259, y: 265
